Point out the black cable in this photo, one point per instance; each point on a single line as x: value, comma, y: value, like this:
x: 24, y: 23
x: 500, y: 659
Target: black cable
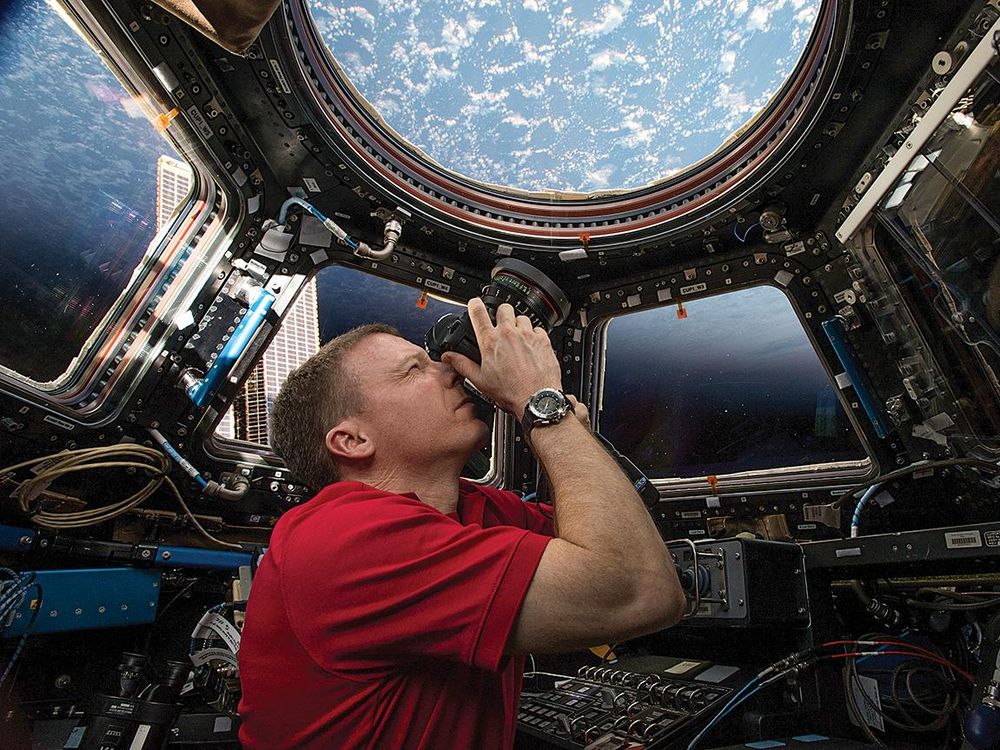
x: 162, y: 611
x: 953, y: 606
x: 892, y: 475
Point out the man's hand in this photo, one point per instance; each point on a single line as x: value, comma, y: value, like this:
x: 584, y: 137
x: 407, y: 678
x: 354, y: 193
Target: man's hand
x: 517, y: 359
x: 580, y: 411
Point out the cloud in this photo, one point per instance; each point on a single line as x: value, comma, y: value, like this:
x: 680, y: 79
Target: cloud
x: 727, y: 61
x: 639, y: 134
x: 610, y: 17
x: 606, y: 58
x: 532, y: 5
x: 758, y: 18
x: 363, y: 13
x: 456, y: 35
x: 599, y: 178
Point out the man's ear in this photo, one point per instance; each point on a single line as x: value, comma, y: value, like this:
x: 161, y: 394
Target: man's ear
x: 349, y: 441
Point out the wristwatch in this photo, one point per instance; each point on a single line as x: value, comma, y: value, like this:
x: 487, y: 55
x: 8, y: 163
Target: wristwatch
x: 546, y: 406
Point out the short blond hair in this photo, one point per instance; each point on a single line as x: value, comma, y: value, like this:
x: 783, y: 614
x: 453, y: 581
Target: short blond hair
x: 318, y: 394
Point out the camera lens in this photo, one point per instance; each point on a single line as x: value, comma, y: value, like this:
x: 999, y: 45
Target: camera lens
x: 130, y: 671
x: 529, y: 291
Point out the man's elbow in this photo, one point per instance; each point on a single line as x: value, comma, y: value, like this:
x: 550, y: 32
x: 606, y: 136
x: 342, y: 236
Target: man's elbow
x: 665, y: 605
x: 654, y: 605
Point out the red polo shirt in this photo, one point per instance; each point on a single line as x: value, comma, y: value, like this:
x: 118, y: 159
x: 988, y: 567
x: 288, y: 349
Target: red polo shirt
x: 376, y: 621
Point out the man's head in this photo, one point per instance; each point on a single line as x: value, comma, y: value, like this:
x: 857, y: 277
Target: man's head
x: 368, y: 400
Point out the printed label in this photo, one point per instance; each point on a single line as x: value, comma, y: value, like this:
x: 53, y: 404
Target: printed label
x: 280, y: 75
x: 681, y: 667
x: 868, y: 703
x: 437, y: 285
x: 218, y: 654
x: 963, y: 539
x: 693, y: 288
x: 311, y: 185
x: 216, y: 623
x: 59, y: 422
x: 199, y: 121
x: 795, y: 248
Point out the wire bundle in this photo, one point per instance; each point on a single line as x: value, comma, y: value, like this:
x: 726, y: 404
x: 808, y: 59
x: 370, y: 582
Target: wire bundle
x: 13, y: 589
x: 906, y: 707
x: 129, y: 456
x: 832, y: 650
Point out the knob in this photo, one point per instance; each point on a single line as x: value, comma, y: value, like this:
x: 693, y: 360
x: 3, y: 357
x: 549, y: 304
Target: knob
x: 696, y: 575
x: 608, y: 698
x: 563, y: 724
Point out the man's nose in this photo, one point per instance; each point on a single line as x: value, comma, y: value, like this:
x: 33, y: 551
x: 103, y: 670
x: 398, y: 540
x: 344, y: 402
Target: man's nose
x: 450, y: 374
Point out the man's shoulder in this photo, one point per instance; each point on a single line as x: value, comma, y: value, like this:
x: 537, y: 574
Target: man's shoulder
x: 494, y: 494
x: 344, y: 509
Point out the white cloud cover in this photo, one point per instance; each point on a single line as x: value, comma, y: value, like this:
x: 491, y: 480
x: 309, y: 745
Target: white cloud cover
x: 599, y: 178
x: 606, y: 58
x: 609, y: 17
x: 758, y: 18
x: 727, y: 61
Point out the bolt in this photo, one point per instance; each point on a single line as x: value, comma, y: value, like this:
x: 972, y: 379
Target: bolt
x: 166, y: 555
x: 25, y: 540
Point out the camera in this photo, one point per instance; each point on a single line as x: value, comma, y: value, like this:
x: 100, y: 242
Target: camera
x: 529, y: 291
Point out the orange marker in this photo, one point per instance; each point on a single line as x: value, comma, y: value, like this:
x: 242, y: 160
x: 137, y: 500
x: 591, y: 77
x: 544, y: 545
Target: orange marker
x: 163, y: 121
x: 681, y: 312
x: 422, y: 300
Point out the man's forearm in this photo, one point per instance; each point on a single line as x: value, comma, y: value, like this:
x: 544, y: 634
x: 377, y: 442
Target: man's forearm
x: 595, y: 505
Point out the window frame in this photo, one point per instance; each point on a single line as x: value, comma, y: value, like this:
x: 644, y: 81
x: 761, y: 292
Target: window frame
x: 125, y: 343
x: 780, y: 477
x: 553, y: 221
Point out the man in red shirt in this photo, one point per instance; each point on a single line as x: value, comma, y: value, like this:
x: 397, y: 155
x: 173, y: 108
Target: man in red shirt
x: 393, y: 609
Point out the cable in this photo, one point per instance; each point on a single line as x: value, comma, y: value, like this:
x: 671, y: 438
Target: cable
x: 11, y: 598
x: 122, y: 456
x: 162, y: 611
x: 796, y: 662
x: 746, y: 234
x: 856, y: 518
x: 918, y: 466
x: 330, y: 224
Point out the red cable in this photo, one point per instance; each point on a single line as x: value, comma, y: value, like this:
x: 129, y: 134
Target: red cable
x: 904, y: 644
x: 927, y: 657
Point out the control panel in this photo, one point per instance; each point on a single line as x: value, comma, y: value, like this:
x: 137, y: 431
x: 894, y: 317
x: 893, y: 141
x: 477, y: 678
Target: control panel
x: 646, y: 704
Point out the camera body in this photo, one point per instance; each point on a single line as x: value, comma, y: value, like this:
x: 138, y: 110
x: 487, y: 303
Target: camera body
x: 529, y: 291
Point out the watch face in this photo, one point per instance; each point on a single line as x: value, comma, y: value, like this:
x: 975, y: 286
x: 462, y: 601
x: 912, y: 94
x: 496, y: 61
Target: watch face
x: 547, y: 404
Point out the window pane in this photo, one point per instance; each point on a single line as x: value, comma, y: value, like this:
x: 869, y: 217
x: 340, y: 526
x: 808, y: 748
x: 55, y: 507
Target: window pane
x: 78, y: 186
x: 735, y: 386
x: 335, y: 301
x: 567, y: 96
